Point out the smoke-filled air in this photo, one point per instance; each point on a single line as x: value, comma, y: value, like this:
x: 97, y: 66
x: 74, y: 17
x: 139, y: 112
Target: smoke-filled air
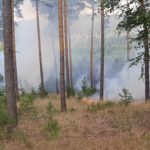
x: 74, y: 75
x: 118, y: 74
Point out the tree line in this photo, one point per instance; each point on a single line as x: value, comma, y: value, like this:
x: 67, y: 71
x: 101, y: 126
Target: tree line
x: 131, y: 18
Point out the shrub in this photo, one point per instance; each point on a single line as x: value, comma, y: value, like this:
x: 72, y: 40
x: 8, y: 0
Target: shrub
x: 26, y: 105
x: 5, y: 119
x: 79, y: 95
x: 52, y: 129
x: 70, y: 91
x: 42, y: 92
x: 126, y: 97
x: 86, y: 91
x: 50, y: 109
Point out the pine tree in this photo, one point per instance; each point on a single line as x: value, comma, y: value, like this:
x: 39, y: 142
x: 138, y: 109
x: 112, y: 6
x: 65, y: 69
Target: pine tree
x: 8, y: 57
x: 62, y: 65
x: 102, y: 53
x: 42, y: 87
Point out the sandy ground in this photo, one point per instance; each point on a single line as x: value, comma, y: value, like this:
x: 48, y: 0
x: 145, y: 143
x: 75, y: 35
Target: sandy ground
x: 116, y: 128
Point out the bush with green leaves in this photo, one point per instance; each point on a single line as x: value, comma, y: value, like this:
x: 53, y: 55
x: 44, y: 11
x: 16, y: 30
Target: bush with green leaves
x: 79, y: 95
x: 86, y: 90
x: 70, y: 91
x: 26, y: 104
x: 52, y: 129
x: 51, y: 109
x: 126, y: 97
x: 5, y: 119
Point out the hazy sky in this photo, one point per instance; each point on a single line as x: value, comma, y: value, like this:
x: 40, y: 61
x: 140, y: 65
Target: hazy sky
x: 27, y: 56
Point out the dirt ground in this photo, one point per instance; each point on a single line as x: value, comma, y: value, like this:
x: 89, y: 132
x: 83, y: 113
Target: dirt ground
x: 115, y: 128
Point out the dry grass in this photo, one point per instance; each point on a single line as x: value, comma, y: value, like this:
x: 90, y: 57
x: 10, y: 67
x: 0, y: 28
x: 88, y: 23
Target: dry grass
x: 115, y: 128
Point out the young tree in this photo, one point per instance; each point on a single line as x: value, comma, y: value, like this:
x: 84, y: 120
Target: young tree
x: 8, y: 57
x: 42, y: 87
x: 62, y: 70
x: 102, y: 52
x: 66, y: 45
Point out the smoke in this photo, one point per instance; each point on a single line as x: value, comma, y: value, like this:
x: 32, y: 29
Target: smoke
x: 117, y: 74
x: 127, y: 78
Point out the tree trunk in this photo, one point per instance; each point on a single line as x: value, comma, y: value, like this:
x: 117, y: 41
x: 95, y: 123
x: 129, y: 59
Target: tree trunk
x: 8, y: 57
x: 42, y: 88
x: 102, y: 53
x: 55, y: 63
x: 92, y: 51
x: 128, y: 38
x: 62, y: 70
x: 146, y: 56
x: 70, y: 52
x: 14, y: 56
x: 66, y: 45
x: 128, y: 46
x: 146, y: 59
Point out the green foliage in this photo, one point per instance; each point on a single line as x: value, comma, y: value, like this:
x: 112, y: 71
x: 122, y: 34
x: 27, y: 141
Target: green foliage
x: 70, y: 91
x: 26, y: 105
x: 50, y: 109
x: 135, y: 19
x: 100, y: 106
x: 126, y: 97
x: 86, y: 91
x: 1, y: 46
x: 2, y: 147
x: 52, y: 129
x: 79, y: 95
x: 1, y: 78
x: 5, y: 119
x: 42, y: 92
x: 2, y: 92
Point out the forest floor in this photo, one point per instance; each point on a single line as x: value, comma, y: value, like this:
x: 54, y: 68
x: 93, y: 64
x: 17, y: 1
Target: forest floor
x: 112, y: 128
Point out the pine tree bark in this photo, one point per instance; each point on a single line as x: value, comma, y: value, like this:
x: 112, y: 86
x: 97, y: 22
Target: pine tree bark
x: 55, y: 63
x: 62, y: 69
x: 92, y: 50
x: 8, y: 58
x: 14, y: 56
x: 128, y: 38
x: 42, y: 87
x: 146, y: 60
x: 70, y: 54
x: 102, y: 53
x: 66, y: 45
x: 146, y: 56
